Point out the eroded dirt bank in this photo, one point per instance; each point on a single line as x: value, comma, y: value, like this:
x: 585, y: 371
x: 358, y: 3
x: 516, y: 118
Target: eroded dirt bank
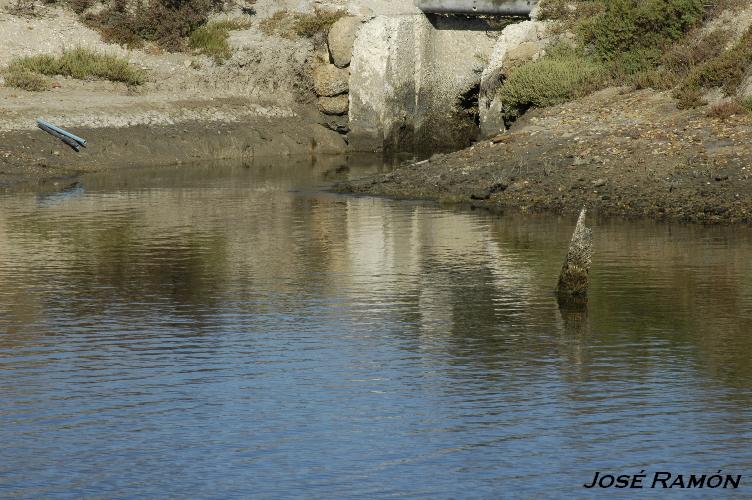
x: 619, y: 152
x: 190, y: 107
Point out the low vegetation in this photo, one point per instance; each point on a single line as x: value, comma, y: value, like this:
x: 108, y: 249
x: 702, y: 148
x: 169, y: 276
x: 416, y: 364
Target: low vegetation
x: 173, y: 25
x: 558, y: 78
x: 29, y: 73
x: 293, y: 25
x: 26, y: 80
x: 725, y: 69
x: 167, y: 23
x: 727, y: 109
x: 212, y: 38
x: 645, y: 43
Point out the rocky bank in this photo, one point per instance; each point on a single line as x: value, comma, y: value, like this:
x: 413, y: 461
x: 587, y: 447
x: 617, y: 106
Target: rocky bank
x: 618, y: 152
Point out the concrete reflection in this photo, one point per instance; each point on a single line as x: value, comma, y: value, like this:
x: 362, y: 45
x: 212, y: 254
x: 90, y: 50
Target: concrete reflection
x: 184, y: 245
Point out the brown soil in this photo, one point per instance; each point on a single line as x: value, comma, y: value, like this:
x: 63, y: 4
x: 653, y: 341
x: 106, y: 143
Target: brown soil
x: 618, y: 152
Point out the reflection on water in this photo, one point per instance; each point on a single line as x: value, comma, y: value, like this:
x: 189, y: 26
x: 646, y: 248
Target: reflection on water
x: 225, y: 331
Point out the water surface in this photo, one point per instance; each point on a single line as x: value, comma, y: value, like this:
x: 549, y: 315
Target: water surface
x: 224, y: 331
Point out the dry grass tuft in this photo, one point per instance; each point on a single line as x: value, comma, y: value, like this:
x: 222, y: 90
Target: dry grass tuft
x: 80, y: 63
x: 212, y: 38
x: 293, y: 25
x: 725, y: 110
x: 24, y: 8
x: 167, y: 23
x: 26, y: 80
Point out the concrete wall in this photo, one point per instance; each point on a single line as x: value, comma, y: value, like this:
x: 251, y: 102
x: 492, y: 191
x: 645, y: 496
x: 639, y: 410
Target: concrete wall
x: 410, y: 73
x: 384, y: 83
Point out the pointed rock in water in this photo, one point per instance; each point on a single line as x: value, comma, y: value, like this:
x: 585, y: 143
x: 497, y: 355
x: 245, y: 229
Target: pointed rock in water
x: 575, y: 275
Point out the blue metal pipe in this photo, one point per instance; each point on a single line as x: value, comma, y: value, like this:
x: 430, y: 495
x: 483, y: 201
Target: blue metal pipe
x: 67, y: 140
x: 67, y: 134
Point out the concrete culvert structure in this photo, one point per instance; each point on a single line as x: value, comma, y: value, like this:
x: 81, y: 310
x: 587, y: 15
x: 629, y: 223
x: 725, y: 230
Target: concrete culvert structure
x: 415, y: 81
x: 425, y: 79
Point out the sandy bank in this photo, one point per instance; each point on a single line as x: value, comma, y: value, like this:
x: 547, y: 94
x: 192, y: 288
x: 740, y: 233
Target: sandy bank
x: 191, y: 108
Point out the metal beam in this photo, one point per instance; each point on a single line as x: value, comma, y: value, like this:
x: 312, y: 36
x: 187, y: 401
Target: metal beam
x: 478, y: 7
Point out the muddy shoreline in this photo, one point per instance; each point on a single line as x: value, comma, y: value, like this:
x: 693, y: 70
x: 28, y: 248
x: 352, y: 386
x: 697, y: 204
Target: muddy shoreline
x: 618, y: 152
x: 32, y: 157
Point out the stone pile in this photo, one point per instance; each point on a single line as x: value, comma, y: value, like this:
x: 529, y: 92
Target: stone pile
x: 331, y: 79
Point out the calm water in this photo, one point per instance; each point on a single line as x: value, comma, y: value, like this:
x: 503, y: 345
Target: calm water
x: 224, y: 331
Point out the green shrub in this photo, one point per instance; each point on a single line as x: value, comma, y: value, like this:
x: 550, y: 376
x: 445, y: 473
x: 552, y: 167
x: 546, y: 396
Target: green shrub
x: 658, y: 79
x: 682, y: 56
x: 81, y: 64
x: 724, y: 69
x: 637, y: 29
x: 26, y: 80
x: 641, y: 42
x: 556, y: 10
x: 728, y: 68
x: 552, y: 80
x: 688, y: 96
x: 212, y: 38
x: 747, y: 103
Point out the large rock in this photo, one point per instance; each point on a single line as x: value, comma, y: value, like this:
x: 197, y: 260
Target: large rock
x: 526, y: 51
x: 517, y: 43
x: 330, y: 81
x: 341, y: 40
x: 326, y: 142
x: 334, y: 105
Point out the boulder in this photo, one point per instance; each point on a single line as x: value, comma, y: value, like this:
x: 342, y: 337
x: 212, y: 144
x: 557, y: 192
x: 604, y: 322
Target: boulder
x: 338, y: 124
x: 518, y: 43
x: 338, y: 105
x: 526, y: 51
x: 330, y: 81
x: 341, y: 40
x: 326, y: 142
